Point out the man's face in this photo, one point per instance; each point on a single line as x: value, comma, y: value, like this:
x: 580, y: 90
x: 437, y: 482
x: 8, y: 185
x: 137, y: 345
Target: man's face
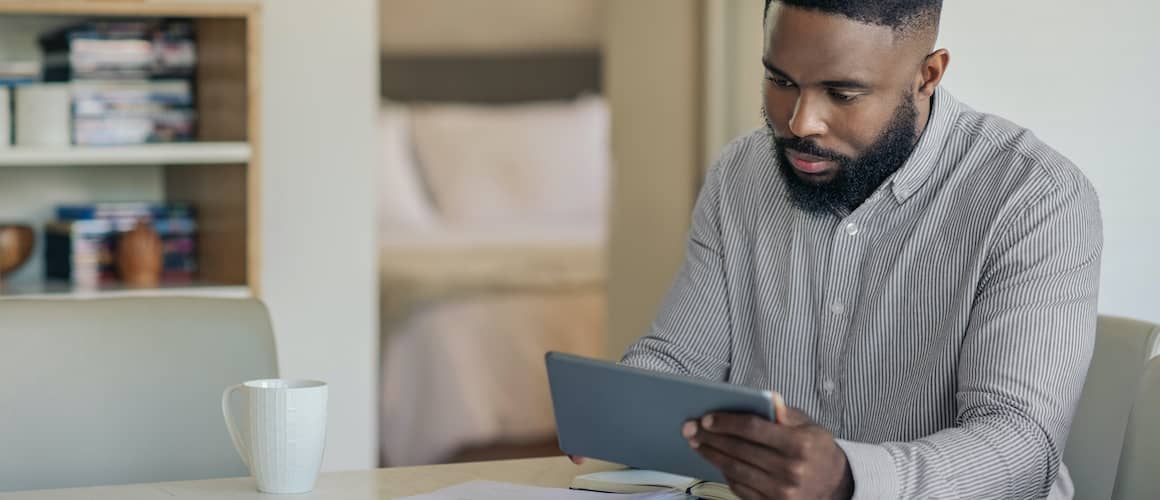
x: 839, y: 101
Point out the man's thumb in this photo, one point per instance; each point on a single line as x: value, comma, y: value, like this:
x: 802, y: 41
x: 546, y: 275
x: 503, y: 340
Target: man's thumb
x: 783, y: 414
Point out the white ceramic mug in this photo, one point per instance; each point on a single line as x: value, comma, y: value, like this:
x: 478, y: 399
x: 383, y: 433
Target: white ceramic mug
x: 286, y: 426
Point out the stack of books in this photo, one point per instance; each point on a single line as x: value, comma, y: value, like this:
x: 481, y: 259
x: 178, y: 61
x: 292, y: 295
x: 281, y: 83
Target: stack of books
x: 132, y: 80
x: 80, y: 245
x: 120, y: 50
x: 106, y: 113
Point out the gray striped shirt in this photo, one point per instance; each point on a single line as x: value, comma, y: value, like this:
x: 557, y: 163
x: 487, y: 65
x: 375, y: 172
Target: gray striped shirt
x: 941, y: 331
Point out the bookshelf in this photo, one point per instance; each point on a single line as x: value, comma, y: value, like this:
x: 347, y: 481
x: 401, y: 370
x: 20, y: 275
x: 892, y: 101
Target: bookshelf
x: 219, y: 174
x: 64, y: 290
x: 194, y: 153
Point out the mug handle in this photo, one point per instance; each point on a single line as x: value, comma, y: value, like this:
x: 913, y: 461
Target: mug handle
x: 239, y: 444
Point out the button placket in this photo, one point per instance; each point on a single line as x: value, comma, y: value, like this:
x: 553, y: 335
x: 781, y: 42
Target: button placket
x: 850, y: 240
x: 845, y: 255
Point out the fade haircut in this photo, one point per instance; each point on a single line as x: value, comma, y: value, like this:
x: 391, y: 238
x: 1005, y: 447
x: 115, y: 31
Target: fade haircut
x: 906, y: 17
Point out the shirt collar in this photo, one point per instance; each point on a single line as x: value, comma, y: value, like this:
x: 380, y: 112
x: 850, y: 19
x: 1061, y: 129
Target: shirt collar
x: 945, y: 111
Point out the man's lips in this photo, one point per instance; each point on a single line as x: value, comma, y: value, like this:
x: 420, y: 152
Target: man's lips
x: 808, y: 164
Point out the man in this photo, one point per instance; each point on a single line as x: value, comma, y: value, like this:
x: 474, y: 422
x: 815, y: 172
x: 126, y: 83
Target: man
x: 916, y: 279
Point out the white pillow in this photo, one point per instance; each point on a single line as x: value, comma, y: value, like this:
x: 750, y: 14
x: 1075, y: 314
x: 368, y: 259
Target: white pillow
x: 543, y: 163
x: 403, y: 203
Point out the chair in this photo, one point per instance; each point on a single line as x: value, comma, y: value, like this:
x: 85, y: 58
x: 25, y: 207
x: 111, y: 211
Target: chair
x: 1139, y: 472
x: 1123, y: 348
x: 115, y: 391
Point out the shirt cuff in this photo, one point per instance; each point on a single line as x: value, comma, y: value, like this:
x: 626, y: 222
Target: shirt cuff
x: 873, y: 470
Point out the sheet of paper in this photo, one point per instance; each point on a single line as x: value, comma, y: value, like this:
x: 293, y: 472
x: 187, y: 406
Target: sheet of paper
x: 492, y: 490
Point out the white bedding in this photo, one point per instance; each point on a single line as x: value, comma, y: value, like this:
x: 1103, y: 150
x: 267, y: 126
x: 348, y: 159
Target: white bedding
x: 590, y: 235
x: 491, y: 223
x: 470, y: 371
x: 525, y: 163
x: 467, y: 318
x: 428, y: 265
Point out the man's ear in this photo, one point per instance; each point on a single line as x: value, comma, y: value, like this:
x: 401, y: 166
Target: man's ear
x: 932, y: 71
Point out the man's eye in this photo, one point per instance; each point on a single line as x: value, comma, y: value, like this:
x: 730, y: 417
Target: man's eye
x: 780, y: 82
x: 843, y: 97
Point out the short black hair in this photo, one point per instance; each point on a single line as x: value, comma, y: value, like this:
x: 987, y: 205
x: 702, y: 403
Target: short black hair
x: 903, y: 16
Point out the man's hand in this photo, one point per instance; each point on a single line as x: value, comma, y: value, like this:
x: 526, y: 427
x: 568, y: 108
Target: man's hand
x: 793, y: 458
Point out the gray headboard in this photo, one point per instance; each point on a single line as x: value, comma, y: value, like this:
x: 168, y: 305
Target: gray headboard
x: 489, y: 78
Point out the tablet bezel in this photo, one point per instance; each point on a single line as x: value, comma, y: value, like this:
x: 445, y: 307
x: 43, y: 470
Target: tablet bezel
x: 633, y: 416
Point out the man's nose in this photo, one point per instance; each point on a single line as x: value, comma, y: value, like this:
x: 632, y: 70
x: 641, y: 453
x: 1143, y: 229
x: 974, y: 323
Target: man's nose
x: 807, y: 119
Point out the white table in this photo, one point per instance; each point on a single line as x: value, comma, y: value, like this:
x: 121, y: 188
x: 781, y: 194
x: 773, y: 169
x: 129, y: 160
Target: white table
x: 355, y: 485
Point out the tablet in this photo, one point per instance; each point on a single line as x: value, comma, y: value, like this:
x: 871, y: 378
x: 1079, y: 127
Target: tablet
x: 633, y: 417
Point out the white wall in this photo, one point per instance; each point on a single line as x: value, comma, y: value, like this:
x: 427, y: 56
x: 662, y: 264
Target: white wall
x: 1080, y: 74
x: 319, y: 100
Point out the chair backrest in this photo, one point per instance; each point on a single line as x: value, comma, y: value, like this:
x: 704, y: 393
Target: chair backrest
x: 115, y: 391
x: 1139, y: 472
x: 1123, y: 348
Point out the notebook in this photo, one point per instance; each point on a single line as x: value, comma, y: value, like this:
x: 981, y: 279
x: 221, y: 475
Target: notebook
x: 493, y: 490
x: 643, y: 481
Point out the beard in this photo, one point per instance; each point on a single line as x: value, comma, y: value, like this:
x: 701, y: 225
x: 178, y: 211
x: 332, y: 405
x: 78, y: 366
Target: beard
x: 855, y: 179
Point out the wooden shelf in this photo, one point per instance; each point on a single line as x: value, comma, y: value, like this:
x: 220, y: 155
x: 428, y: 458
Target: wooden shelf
x: 56, y: 290
x: 182, y: 8
x: 189, y: 153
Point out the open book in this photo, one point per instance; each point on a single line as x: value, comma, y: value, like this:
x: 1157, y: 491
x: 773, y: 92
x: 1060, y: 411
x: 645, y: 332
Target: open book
x: 641, y: 481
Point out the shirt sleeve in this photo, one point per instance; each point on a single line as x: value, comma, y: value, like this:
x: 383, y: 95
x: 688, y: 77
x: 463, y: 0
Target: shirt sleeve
x: 691, y: 333
x: 1021, y: 368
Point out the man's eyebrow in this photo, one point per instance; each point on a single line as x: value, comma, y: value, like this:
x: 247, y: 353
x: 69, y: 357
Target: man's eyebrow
x: 844, y: 84
x: 775, y: 70
x: 848, y: 84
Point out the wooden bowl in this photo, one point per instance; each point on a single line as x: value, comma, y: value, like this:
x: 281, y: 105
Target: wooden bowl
x: 16, y: 243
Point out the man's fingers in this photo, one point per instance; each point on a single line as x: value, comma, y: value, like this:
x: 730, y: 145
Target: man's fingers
x: 779, y: 410
x: 787, y: 415
x: 576, y: 459
x: 750, y: 427
x: 765, y: 459
x: 738, y: 472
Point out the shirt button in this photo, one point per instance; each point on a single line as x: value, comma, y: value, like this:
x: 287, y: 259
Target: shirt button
x: 837, y: 308
x: 828, y: 386
x: 851, y: 229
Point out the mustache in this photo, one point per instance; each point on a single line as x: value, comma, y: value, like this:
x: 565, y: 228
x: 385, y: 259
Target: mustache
x: 810, y: 148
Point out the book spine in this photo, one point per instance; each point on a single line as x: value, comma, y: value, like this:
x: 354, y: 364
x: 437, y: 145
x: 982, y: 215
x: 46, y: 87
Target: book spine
x: 124, y: 210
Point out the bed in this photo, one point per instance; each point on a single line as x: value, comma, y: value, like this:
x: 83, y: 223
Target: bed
x: 493, y: 200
